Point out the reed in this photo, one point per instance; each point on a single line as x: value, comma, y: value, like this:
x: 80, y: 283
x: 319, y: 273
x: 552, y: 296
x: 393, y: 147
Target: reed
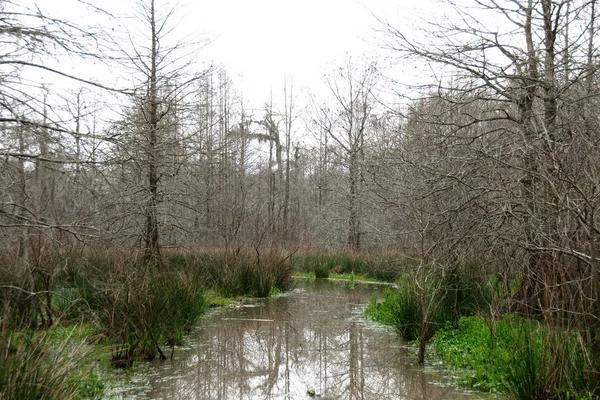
x: 34, y: 367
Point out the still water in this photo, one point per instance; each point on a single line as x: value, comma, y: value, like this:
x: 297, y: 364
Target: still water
x: 312, y: 343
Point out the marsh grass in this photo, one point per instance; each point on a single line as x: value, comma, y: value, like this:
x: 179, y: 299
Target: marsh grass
x: 36, y: 366
x: 526, y: 359
x: 246, y: 272
x: 138, y: 311
x: 551, y: 363
x: 382, y: 267
x: 445, y: 297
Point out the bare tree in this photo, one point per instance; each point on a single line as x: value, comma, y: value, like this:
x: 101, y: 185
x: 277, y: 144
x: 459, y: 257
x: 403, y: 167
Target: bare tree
x: 512, y: 136
x: 347, y: 124
x: 154, y: 120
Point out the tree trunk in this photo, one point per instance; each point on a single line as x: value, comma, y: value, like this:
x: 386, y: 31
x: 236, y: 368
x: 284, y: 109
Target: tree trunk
x: 152, y: 247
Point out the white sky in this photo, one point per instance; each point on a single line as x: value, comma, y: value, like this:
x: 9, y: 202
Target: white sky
x: 259, y: 42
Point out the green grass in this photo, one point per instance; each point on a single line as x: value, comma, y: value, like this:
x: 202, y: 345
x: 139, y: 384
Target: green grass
x: 383, y: 268
x: 354, y: 277
x: 400, y: 308
x: 77, y: 332
x: 305, y: 275
x: 384, y: 311
x: 216, y: 299
x: 342, y: 276
x: 443, y: 296
x: 46, y: 366
x: 523, y: 359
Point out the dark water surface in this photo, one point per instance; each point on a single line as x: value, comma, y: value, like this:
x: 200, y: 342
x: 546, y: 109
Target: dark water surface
x: 313, y: 340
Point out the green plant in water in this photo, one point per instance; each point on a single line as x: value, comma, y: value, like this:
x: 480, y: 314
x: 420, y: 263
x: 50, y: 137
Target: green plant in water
x: 400, y: 308
x: 90, y: 386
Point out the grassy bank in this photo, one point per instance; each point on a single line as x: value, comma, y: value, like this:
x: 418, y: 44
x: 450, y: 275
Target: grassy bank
x: 465, y: 320
x: 341, y: 265
x: 50, y: 364
x: 518, y: 356
x: 138, y: 311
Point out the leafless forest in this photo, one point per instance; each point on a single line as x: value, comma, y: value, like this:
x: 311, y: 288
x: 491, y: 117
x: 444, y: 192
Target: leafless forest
x: 496, y: 164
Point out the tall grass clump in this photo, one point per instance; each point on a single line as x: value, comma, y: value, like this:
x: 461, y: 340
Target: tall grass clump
x: 421, y: 305
x: 143, y: 308
x: 34, y: 367
x: 140, y: 309
x: 246, y: 272
x: 551, y: 363
x: 400, y: 308
x: 176, y: 301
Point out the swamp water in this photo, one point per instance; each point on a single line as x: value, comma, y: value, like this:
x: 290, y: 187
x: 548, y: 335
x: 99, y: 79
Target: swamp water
x: 310, y: 343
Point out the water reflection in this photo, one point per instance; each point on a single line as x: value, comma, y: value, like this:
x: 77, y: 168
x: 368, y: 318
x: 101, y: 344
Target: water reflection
x: 292, y: 347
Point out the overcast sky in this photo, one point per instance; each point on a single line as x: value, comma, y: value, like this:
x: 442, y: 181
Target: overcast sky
x: 259, y: 42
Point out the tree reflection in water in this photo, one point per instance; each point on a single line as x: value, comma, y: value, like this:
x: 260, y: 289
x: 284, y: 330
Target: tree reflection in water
x: 284, y: 348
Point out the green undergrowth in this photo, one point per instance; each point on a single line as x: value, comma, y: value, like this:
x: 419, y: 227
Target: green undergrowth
x: 120, y: 307
x: 469, y: 348
x: 352, y: 277
x: 518, y: 356
x: 239, y: 273
x: 50, y: 364
x: 440, y: 298
x: 378, y: 267
x: 310, y: 275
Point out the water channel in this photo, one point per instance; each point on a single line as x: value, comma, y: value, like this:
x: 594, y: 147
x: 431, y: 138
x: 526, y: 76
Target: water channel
x: 310, y: 343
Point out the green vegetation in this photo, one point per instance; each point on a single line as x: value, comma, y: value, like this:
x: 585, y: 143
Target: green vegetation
x: 464, y: 317
x: 361, y: 266
x: 519, y: 356
x: 435, y: 300
x: 131, y: 309
x: 243, y: 273
x: 352, y: 277
x: 46, y: 366
x: 305, y: 275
